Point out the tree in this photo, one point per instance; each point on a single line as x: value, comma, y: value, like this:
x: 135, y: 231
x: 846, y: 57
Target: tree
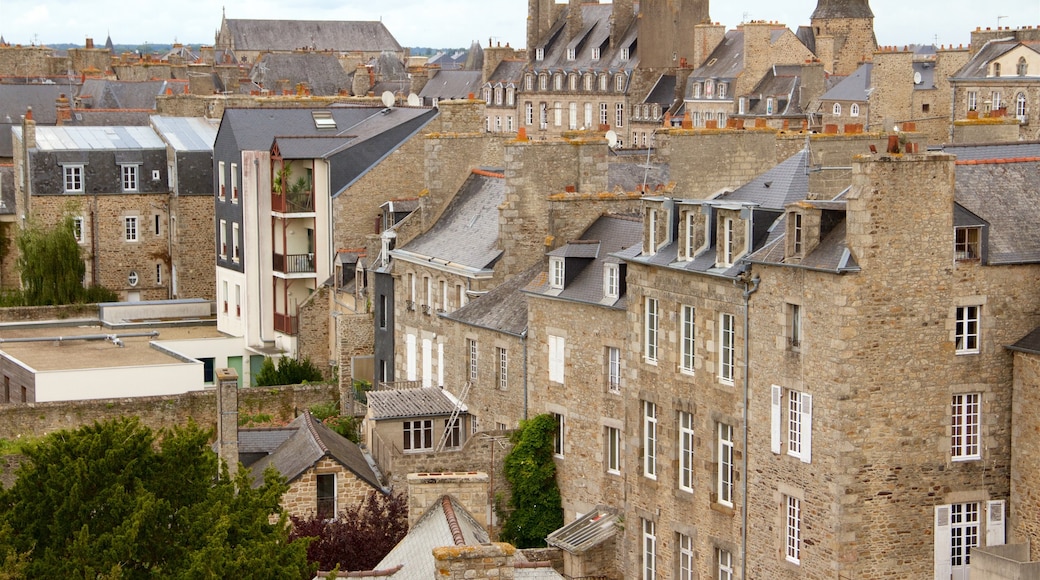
x: 50, y: 265
x: 288, y: 372
x: 360, y: 537
x: 536, y: 506
x: 117, y: 500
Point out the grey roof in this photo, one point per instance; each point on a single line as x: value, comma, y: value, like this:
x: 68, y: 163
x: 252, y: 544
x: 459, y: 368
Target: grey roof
x: 310, y: 442
x: 452, y: 84
x: 842, y: 9
x: 978, y: 65
x: 15, y: 99
x: 109, y: 94
x: 342, y: 36
x: 186, y: 133
x: 663, y: 92
x: 586, y: 532
x: 414, y: 553
x: 926, y: 69
x: 404, y: 403
x: 1006, y: 194
x: 595, y: 32
x: 504, y: 308
x: 994, y: 150
x: 725, y: 62
x: 467, y: 232
x: 855, y: 87
x: 831, y: 254
x: 784, y: 183
x: 316, y: 147
x: 782, y: 84
x: 1029, y: 343
x: 321, y: 71
x: 263, y: 439
x: 607, y: 235
x: 453, y: 60
x: 95, y: 138
x: 508, y: 71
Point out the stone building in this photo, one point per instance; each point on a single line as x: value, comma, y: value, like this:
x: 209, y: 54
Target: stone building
x: 1002, y: 79
x: 841, y: 34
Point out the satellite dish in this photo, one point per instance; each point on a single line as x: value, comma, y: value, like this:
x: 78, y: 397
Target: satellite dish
x: 388, y: 99
x: 413, y: 100
x: 917, y: 78
x: 612, y: 138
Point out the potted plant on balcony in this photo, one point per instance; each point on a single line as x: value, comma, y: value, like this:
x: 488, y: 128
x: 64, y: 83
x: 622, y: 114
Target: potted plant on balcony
x: 297, y: 193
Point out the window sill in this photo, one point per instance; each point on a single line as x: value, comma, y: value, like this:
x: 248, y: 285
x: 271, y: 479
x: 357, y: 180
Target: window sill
x: 965, y: 352
x: 722, y: 509
x: 724, y: 382
x: 966, y: 458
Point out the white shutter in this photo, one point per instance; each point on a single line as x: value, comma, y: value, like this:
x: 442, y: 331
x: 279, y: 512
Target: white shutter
x: 774, y: 418
x: 440, y: 364
x: 409, y: 343
x: 427, y: 362
x: 995, y: 523
x: 943, y: 567
x: 806, y: 428
x: 556, y: 362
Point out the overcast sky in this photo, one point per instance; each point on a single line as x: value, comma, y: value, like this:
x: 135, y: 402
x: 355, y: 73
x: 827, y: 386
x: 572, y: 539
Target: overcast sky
x: 457, y: 23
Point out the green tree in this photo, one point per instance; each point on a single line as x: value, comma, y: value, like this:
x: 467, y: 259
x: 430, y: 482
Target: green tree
x: 50, y: 265
x: 289, y: 371
x: 535, y: 503
x: 117, y: 500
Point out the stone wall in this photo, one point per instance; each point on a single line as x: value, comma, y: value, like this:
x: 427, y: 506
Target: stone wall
x: 283, y: 404
x: 23, y: 61
x: 193, y: 246
x: 355, y: 336
x: 475, y: 562
x: 302, y: 498
x: 703, y: 162
x: 998, y: 130
x: 1024, y: 526
x: 315, y: 322
x: 39, y: 313
x: 470, y: 489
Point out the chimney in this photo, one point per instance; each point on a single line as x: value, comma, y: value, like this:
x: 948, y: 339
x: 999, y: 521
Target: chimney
x: 227, y: 418
x: 28, y: 130
x: 622, y: 14
x: 64, y: 111
x: 574, y: 19
x: 90, y: 43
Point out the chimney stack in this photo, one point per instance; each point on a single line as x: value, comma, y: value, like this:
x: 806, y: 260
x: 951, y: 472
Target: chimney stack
x: 227, y: 418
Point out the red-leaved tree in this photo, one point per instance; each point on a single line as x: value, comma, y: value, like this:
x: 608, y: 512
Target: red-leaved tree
x: 359, y: 537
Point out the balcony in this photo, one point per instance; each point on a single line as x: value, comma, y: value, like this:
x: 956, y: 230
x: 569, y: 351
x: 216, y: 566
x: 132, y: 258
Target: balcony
x: 286, y: 324
x: 293, y: 263
x: 292, y: 202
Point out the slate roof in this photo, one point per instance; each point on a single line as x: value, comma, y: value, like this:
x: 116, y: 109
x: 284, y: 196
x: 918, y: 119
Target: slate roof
x: 109, y: 94
x: 631, y: 174
x: 595, y: 32
x: 1007, y: 196
x: 508, y: 71
x: 855, y: 87
x: 782, y: 84
x: 404, y: 403
x: 784, y: 183
x: 978, y: 65
x: 414, y: 553
x: 1029, y: 343
x: 831, y: 254
x: 321, y: 71
x: 186, y: 133
x: 504, y: 308
x: 95, y: 138
x: 663, y: 92
x: 284, y: 35
x: 452, y: 84
x: 607, y: 235
x: 15, y: 99
x: 725, y: 62
x: 467, y: 232
x: 1011, y: 150
x: 926, y: 69
x: 310, y: 442
x: 454, y: 60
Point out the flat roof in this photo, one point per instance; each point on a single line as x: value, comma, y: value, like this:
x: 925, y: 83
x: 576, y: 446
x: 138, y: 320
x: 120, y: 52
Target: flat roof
x: 56, y: 348
x: 96, y: 138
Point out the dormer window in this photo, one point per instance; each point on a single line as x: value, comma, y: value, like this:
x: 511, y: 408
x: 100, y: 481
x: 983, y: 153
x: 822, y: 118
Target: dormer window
x: 587, y: 82
x: 487, y: 95
x: 529, y: 83
x: 571, y: 54
x: 696, y: 90
x: 722, y: 90
x: 539, y: 54
x: 690, y: 233
x: 611, y: 280
x: 709, y: 89
x: 741, y: 106
x: 510, y: 96
x: 967, y: 243
x: 498, y: 95
x: 1022, y: 68
x: 797, y: 235
x: 769, y: 106
x: 728, y: 243
x: 556, y: 272
x: 619, y: 83
x: 626, y: 53
x: 572, y: 82
x: 603, y: 82
x: 558, y: 82
x: 651, y: 239
x: 595, y: 53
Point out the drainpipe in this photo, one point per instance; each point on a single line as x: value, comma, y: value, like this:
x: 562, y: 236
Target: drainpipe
x: 750, y: 287
x: 523, y: 340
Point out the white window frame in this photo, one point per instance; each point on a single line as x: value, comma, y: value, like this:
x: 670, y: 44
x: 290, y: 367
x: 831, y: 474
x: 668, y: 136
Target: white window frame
x: 687, y: 339
x: 799, y: 425
x: 626, y: 53
x: 649, y: 549
x: 649, y: 440
x: 557, y: 113
x: 794, y: 328
x: 502, y: 357
x: 557, y: 270
x: 603, y: 113
x: 613, y: 450
x: 572, y: 115
x: 221, y: 181
x: 223, y: 239
x: 611, y: 280
x: 595, y: 53
x: 539, y: 54
x: 966, y: 427
x: 571, y: 53
x: 1020, y: 107
x: 419, y: 431
x: 77, y: 229
x: 792, y: 529
x: 619, y: 114
x: 966, y: 332
x: 724, y: 561
x: 131, y: 229
x: 973, y: 100
x: 473, y: 368
x: 854, y: 110
x: 234, y: 183
x: 588, y: 114
x: 613, y: 369
x: 836, y: 110
x: 686, y: 557
x: 724, y: 481
x: 557, y: 358
x: 619, y: 83
x: 72, y: 178
x: 727, y: 347
x: 529, y: 112
x: 236, y: 248
x: 129, y: 177
x: 651, y: 329
x: 686, y: 446
x: 691, y: 235
x: 728, y: 234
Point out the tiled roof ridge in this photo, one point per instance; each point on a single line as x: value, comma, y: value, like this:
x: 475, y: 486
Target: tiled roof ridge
x: 453, y: 522
x: 309, y: 421
x: 363, y: 573
x: 351, y: 250
x: 1001, y: 160
x: 486, y: 173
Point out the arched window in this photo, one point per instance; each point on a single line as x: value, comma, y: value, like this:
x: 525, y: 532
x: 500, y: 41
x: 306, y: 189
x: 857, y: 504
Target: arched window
x: 498, y: 95
x: 572, y: 82
x: 543, y: 82
x: 996, y: 69
x: 487, y: 95
x: 558, y: 82
x: 587, y: 80
x: 529, y: 83
x: 837, y: 109
x: 854, y: 110
x: 1020, y: 106
x: 1022, y: 67
x: 603, y: 82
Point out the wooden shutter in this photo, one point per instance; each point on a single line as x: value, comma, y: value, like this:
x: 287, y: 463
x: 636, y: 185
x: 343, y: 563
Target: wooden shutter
x: 995, y: 523
x: 774, y: 418
x: 943, y: 568
x: 806, y: 428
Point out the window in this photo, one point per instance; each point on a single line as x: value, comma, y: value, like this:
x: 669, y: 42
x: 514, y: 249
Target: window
x: 619, y: 83
x: 509, y: 123
x: 487, y: 95
x: 539, y: 53
x: 510, y: 96
x: 995, y: 99
x: 799, y: 423
x: 685, y: 557
x: 726, y: 348
x: 613, y: 459
x: 722, y: 90
x: 854, y: 110
x: 157, y: 220
x: 727, y: 242
x: 556, y: 272
x: 626, y: 53
x: 235, y: 254
x: 687, y: 333
x: 556, y: 358
x: 498, y: 95
x: 650, y: 330
x: 418, y: 435
x: 503, y: 368
x: 73, y: 178
x: 557, y: 114
x: 207, y: 370
x: 613, y: 369
x: 234, y: 182
x: 572, y: 115
x: 454, y: 429
x: 77, y: 229
x: 223, y: 239
x: 129, y: 176
x: 158, y: 274
x: 690, y: 241
x: 651, y: 231
x: 965, y: 420
x: 837, y: 109
x: 725, y: 465
x: 559, y: 440
x: 326, y: 498
x: 543, y: 115
x: 472, y: 348
x: 696, y: 90
x: 443, y: 286
x: 649, y: 549
x: 686, y: 451
x: 224, y: 295
x: 130, y: 228
x: 529, y: 113
x: 724, y: 561
x: 967, y: 243
x: 238, y: 300
x: 132, y: 279
x: 1022, y: 67
x: 619, y: 115
x: 1020, y: 107
x: 570, y: 54
x: 603, y: 114
x: 966, y: 335
x: 797, y: 245
x: 529, y: 83
x: 611, y: 280
x: 221, y: 181
x: 543, y: 82
x: 792, y: 529
x: 973, y: 100
x: 957, y: 530
x: 588, y: 114
x: 996, y: 69
x: 650, y: 439
x: 769, y: 106
x: 595, y: 54
x: 794, y: 325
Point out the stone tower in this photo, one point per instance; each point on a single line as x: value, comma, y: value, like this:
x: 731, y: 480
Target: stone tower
x: 844, y: 34
x: 666, y: 28
x: 540, y: 16
x: 227, y: 418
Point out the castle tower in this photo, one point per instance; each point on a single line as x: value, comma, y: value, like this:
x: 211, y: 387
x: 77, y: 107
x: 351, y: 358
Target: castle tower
x: 844, y: 33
